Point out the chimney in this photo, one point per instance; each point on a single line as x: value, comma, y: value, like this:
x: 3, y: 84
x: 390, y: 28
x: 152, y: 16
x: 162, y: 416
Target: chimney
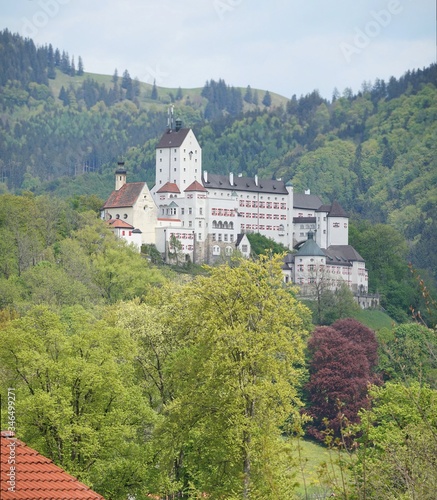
x: 120, y: 176
x: 178, y: 124
x: 231, y: 178
x: 205, y: 176
x: 256, y: 180
x: 307, y: 191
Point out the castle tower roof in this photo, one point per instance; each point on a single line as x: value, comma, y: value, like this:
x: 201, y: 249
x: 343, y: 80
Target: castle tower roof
x: 310, y: 248
x: 169, y: 187
x: 195, y: 186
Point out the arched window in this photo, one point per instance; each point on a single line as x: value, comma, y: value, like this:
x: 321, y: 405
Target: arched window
x: 220, y: 224
x: 214, y: 223
x: 216, y: 250
x: 228, y: 251
x: 225, y: 225
x: 231, y: 225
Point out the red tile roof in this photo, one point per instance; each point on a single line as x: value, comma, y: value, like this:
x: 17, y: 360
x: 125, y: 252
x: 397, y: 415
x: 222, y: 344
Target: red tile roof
x: 126, y: 196
x: 169, y: 187
x: 119, y: 223
x: 195, y: 186
x: 36, y: 477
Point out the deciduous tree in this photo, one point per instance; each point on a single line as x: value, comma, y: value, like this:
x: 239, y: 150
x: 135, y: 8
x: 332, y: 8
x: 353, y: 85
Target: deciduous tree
x: 236, y: 381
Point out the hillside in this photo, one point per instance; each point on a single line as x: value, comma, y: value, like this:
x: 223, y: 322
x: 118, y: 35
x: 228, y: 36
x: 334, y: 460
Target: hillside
x: 374, y: 151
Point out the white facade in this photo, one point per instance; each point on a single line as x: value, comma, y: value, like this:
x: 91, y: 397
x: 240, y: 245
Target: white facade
x: 178, y: 159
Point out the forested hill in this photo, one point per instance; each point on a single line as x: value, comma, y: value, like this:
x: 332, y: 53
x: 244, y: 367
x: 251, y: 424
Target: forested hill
x: 374, y: 151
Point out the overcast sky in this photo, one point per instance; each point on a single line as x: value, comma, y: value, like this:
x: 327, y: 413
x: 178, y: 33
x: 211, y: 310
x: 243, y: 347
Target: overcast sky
x: 284, y: 46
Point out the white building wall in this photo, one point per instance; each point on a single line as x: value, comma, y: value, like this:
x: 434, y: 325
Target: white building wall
x: 337, y: 231
x: 180, y: 165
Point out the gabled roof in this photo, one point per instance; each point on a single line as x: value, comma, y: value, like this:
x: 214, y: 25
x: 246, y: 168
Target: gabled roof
x: 173, y: 138
x: 272, y: 186
x: 126, y: 196
x: 195, y: 186
x: 310, y: 248
x: 306, y: 201
x: 119, y: 224
x: 334, y: 210
x: 169, y: 187
x: 337, y: 210
x: 344, y: 253
x: 37, y: 477
x: 240, y: 238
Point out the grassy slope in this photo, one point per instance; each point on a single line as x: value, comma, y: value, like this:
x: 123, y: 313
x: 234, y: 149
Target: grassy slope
x: 164, y: 98
x: 374, y: 319
x: 319, y: 470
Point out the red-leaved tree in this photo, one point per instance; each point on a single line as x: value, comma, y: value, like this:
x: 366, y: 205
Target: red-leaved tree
x: 342, y: 358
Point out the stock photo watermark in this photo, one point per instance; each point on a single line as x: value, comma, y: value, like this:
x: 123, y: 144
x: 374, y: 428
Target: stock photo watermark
x: 10, y: 434
x: 223, y: 7
x: 154, y: 75
x: 48, y: 9
x: 364, y: 35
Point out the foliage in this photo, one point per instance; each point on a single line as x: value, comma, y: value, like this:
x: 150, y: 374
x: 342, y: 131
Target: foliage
x: 331, y: 305
x: 235, y: 381
x: 398, y: 447
x: 76, y: 396
x: 409, y: 352
x: 55, y: 252
x: 342, y: 358
x: 261, y: 244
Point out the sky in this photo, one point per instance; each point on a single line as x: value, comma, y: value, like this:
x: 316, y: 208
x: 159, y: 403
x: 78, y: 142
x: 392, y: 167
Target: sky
x: 284, y: 46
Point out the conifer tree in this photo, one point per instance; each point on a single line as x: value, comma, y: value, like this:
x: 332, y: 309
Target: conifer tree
x: 154, y: 94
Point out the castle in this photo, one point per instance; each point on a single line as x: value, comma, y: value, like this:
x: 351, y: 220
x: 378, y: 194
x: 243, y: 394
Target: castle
x: 193, y: 215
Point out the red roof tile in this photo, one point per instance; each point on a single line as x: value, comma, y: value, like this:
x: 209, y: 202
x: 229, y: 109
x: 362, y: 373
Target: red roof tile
x: 169, y: 187
x: 126, y: 196
x: 195, y: 186
x: 119, y: 223
x: 36, y: 477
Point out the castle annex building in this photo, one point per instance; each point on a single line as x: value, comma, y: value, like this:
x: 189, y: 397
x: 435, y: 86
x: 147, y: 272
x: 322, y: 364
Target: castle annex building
x: 201, y: 217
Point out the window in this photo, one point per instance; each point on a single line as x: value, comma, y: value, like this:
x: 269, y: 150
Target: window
x: 182, y: 211
x: 214, y: 237
x: 244, y: 248
x: 225, y: 237
x: 228, y: 251
x: 117, y: 216
x: 190, y: 223
x: 220, y: 237
x: 123, y: 233
x: 216, y: 250
x: 125, y: 216
x: 190, y: 211
x: 200, y: 211
x: 231, y: 238
x: 200, y: 223
x: 199, y: 236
